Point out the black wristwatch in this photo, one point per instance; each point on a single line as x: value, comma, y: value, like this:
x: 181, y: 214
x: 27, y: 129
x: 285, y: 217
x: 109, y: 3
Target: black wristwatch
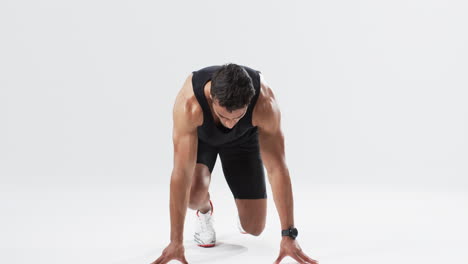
x: 290, y: 232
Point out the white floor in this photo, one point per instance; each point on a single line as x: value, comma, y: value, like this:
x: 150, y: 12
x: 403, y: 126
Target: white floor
x: 338, y: 224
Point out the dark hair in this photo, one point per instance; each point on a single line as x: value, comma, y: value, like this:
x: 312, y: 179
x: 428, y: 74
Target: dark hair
x: 232, y: 86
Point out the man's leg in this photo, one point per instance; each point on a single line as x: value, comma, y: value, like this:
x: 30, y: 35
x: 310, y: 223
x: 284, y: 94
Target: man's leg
x: 252, y: 214
x: 199, y: 199
x: 199, y: 195
x: 243, y: 169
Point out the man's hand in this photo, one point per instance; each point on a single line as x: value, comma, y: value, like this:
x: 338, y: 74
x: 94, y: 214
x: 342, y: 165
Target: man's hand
x: 173, y: 251
x: 290, y: 247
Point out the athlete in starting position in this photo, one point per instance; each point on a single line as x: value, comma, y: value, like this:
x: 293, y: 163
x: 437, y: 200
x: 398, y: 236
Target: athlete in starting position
x: 231, y: 111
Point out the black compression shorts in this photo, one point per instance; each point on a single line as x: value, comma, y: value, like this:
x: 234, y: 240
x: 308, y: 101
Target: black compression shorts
x: 242, y: 166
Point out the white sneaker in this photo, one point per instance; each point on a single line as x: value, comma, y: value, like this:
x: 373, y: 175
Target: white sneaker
x: 205, y: 235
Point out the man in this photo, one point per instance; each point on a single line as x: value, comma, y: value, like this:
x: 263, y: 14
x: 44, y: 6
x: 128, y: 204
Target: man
x: 231, y: 111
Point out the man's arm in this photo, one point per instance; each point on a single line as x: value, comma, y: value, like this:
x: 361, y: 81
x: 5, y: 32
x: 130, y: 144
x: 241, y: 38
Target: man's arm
x: 185, y: 150
x: 185, y: 141
x: 271, y: 140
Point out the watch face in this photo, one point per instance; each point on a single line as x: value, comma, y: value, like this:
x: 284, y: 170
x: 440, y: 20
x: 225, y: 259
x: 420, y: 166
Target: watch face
x: 294, y: 232
x: 291, y: 232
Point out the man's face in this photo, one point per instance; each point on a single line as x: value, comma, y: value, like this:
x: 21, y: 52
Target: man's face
x: 228, y: 119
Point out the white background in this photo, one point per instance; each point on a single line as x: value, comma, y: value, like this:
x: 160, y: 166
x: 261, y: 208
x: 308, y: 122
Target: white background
x: 373, y: 98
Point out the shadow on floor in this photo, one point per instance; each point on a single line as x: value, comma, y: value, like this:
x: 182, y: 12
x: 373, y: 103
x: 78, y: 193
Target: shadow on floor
x: 194, y: 254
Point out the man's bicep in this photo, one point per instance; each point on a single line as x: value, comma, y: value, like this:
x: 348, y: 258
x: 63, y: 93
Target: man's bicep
x: 271, y: 136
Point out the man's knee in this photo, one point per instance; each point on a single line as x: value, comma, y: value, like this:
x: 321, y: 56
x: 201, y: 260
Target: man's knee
x: 252, y: 215
x: 255, y: 229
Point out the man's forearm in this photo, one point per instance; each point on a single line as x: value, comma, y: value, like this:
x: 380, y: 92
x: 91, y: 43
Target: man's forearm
x: 282, y: 194
x: 179, y: 195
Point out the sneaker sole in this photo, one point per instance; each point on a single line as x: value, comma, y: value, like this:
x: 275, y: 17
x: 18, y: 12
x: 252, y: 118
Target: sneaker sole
x: 207, y: 245
x: 204, y: 245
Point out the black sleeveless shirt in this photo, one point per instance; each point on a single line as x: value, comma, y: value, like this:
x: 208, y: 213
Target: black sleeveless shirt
x: 216, y: 134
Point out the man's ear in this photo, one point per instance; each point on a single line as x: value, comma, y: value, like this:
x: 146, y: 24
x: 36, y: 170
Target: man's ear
x: 212, y: 100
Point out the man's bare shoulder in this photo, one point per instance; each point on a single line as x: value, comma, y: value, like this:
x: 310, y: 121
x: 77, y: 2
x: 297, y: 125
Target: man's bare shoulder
x: 187, y: 111
x: 266, y: 112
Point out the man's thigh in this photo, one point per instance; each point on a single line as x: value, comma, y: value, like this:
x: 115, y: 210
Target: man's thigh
x: 243, y: 169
